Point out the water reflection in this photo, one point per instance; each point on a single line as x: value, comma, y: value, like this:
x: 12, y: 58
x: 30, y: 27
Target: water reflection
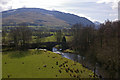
x: 54, y: 49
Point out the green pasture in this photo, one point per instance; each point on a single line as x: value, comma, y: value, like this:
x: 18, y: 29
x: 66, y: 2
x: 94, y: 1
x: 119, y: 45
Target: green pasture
x: 50, y: 39
x: 41, y: 64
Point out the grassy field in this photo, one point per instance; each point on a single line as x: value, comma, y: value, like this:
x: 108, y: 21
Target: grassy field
x: 41, y: 64
x: 51, y: 39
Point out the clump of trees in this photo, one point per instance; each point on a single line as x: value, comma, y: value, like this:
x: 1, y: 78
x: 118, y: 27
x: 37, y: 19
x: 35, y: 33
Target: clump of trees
x: 83, y: 37
x: 107, y: 49
x: 101, y: 45
x: 19, y: 36
x: 22, y: 37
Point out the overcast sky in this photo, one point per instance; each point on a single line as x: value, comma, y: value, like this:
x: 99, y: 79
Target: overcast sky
x: 95, y: 10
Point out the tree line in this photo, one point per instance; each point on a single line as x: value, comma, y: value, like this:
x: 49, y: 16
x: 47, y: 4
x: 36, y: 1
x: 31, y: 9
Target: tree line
x: 99, y: 45
x: 20, y: 37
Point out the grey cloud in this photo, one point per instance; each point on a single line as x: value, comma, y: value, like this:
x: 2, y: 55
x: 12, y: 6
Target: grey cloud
x: 3, y: 2
x: 119, y: 10
x: 94, y: 10
x: 1, y: 9
x: 3, y: 5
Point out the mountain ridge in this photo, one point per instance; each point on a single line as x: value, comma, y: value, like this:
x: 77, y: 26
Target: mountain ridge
x: 42, y: 17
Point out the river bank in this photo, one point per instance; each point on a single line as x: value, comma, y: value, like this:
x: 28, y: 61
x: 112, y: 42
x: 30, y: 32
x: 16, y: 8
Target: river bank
x: 85, y: 62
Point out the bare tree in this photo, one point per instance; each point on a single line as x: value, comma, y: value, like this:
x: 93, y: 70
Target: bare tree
x: 21, y: 35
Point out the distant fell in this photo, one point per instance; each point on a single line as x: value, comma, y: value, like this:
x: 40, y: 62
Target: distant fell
x: 41, y: 17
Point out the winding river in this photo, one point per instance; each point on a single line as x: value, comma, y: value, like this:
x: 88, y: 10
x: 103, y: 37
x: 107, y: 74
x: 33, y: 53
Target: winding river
x: 81, y: 60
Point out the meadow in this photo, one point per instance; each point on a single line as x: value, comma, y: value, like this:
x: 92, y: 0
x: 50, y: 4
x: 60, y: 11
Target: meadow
x: 41, y: 64
x: 50, y: 39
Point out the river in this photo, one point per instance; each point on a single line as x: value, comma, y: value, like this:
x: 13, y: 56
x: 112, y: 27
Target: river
x: 82, y: 60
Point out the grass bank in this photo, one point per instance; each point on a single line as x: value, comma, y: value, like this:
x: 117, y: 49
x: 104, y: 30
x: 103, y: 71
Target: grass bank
x: 41, y: 64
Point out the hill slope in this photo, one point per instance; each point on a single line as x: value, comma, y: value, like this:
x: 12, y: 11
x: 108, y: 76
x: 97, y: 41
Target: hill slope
x: 41, y: 17
x: 40, y: 64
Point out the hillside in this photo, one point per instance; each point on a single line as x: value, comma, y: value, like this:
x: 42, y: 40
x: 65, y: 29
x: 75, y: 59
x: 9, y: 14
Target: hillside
x: 41, y: 64
x: 41, y: 17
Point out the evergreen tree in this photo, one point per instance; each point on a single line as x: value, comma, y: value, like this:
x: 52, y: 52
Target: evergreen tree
x: 64, y: 44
